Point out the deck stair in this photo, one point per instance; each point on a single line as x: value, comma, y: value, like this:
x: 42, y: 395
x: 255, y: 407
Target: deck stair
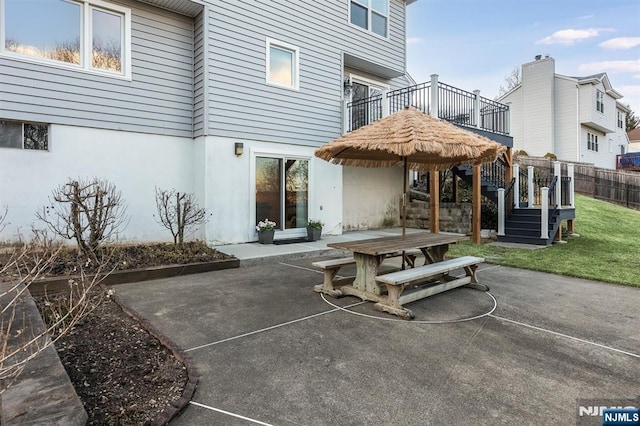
x: 523, y: 226
x: 489, y: 186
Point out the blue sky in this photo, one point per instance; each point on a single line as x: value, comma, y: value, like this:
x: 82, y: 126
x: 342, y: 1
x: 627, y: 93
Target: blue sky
x: 475, y: 44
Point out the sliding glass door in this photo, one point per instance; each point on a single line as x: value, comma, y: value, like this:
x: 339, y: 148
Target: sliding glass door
x: 282, y: 191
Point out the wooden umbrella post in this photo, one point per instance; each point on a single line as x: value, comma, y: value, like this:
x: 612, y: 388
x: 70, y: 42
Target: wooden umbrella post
x: 405, y: 177
x: 434, y: 201
x: 476, y: 205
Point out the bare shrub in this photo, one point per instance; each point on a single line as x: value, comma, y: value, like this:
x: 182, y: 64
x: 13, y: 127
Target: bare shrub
x: 20, y: 341
x: 178, y: 211
x: 91, y: 212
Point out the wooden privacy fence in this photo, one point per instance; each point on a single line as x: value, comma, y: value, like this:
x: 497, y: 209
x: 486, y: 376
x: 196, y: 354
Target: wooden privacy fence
x: 617, y: 187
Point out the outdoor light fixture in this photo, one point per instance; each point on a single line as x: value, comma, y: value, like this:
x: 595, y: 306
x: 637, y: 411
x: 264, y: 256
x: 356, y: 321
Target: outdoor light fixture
x: 348, y: 86
x: 239, y: 148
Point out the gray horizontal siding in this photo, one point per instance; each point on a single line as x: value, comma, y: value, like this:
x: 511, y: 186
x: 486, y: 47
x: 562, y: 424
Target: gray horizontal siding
x: 242, y: 105
x: 159, y: 99
x: 199, y: 70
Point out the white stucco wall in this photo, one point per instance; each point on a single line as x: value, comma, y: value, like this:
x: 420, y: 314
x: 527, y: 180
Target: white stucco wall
x: 229, y: 188
x: 136, y: 163
x: 371, y: 195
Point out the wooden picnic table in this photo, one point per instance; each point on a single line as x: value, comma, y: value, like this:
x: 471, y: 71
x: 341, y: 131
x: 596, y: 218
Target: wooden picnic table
x: 370, y: 253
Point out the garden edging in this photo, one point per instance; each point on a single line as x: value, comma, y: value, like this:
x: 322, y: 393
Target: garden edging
x: 54, y: 284
x: 50, y: 356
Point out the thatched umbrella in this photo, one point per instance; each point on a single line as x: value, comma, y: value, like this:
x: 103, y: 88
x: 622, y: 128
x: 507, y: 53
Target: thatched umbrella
x: 413, y: 140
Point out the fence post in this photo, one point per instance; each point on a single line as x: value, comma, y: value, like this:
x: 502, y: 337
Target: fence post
x: 435, y: 108
x: 476, y: 108
x: 516, y: 186
x: 544, y: 214
x: 530, y: 186
x: 557, y: 172
x: 627, y: 192
x: 572, y: 186
x: 386, y: 110
x: 501, y: 211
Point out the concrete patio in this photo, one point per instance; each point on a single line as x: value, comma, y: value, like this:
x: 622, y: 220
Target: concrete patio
x: 271, y: 351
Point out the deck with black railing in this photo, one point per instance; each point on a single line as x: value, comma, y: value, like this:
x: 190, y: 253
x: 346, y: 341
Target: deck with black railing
x: 434, y: 98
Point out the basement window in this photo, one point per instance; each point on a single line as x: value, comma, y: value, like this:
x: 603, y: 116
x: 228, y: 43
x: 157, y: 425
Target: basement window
x: 19, y: 135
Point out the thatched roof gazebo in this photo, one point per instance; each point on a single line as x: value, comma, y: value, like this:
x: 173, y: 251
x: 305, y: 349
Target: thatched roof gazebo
x: 415, y: 141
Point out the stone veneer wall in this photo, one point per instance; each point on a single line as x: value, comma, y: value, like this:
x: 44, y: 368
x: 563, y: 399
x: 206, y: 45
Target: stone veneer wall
x: 453, y: 217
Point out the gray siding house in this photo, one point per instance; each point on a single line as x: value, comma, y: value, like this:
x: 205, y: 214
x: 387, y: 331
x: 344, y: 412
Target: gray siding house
x: 226, y: 99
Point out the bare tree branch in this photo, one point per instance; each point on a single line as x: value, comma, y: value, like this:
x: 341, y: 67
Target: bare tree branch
x: 90, y: 212
x: 178, y: 211
x: 20, y: 341
x: 512, y: 80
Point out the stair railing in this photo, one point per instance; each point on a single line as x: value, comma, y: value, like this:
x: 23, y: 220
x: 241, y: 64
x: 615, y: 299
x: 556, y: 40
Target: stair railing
x: 505, y: 205
x: 520, y: 186
x: 494, y: 173
x: 552, y: 203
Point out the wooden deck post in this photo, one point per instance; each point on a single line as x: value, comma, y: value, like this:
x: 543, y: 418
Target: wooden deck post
x: 456, y: 184
x: 476, y: 205
x: 434, y: 201
x: 508, y: 159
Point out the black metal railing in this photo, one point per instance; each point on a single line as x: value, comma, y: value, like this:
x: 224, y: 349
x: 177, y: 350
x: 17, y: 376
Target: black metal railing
x: 363, y: 112
x: 456, y: 105
x: 494, y: 116
x: 494, y: 173
x: 418, y: 96
x: 565, y: 195
x: 523, y: 188
x: 538, y: 184
x: 509, y: 201
x: 552, y: 193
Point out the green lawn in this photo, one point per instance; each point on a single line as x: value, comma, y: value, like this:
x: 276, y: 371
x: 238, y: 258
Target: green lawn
x: 608, y: 248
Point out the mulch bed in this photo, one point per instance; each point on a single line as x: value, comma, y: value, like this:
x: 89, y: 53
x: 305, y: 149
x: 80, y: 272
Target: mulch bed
x: 122, y: 373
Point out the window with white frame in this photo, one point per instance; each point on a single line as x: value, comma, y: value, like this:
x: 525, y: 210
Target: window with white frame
x: 372, y: 15
x: 282, y: 64
x: 592, y: 142
x: 599, y: 101
x: 90, y: 35
x: 621, y: 119
x: 16, y: 134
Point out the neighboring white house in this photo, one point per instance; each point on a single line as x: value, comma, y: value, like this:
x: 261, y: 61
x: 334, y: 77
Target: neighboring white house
x: 576, y: 118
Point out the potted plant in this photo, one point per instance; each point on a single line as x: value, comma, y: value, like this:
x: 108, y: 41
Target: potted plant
x: 314, y: 230
x: 266, y: 231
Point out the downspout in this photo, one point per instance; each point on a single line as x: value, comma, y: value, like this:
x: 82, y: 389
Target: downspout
x: 578, y: 126
x: 205, y: 77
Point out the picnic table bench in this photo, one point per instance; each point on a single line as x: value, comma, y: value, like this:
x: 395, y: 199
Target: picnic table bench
x: 386, y: 290
x: 331, y: 268
x: 415, y: 278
